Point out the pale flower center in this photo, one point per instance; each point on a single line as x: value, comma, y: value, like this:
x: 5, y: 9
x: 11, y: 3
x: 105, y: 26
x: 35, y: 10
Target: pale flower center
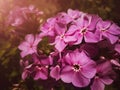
x: 76, y: 67
x: 62, y: 36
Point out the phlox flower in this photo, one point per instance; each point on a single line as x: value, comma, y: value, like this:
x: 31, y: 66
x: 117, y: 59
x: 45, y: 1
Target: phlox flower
x: 78, y: 69
x: 103, y: 76
x: 84, y: 28
x: 108, y: 30
x: 29, y: 46
x: 20, y: 15
x: 37, y: 69
x: 48, y: 28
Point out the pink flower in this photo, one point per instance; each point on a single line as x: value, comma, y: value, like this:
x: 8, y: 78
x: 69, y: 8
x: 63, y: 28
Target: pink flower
x: 48, y: 28
x: 103, y: 76
x: 62, y: 39
x: 29, y: 46
x: 108, y: 30
x: 84, y: 28
x: 78, y: 69
x: 74, y: 14
x: 69, y: 17
x: 37, y: 68
x: 20, y: 15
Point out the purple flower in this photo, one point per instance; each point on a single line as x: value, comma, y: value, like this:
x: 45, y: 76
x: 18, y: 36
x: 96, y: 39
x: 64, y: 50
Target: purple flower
x: 78, y: 69
x: 68, y: 17
x: 48, y: 28
x: 24, y: 20
x: 103, y: 76
x: 108, y: 30
x: 29, y: 46
x: 19, y: 15
x: 38, y: 68
x: 84, y: 28
x: 62, y: 39
x: 74, y: 14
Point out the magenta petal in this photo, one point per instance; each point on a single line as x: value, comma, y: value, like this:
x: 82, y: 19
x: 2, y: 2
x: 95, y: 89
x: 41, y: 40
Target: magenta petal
x: 24, y: 46
x: 79, y: 80
x: 68, y: 59
x: 41, y: 74
x: 55, y: 72
x: 114, y: 29
x: 82, y: 58
x: 37, y: 40
x: 25, y: 74
x: 60, y: 28
x: 29, y: 38
x: 89, y: 70
x: 105, y: 68
x: 24, y: 53
x: 69, y: 39
x: 102, y: 25
x: 79, y: 38
x: 91, y: 37
x: 111, y: 37
x: 73, y: 13
x: 72, y: 30
x: 106, y: 80
x: 67, y: 74
x: 97, y: 85
x: 60, y: 44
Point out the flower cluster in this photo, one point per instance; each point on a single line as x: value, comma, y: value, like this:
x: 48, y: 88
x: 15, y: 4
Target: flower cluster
x: 85, y: 50
x: 24, y: 19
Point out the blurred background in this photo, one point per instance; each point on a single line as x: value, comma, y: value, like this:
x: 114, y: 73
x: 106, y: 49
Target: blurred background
x: 10, y: 37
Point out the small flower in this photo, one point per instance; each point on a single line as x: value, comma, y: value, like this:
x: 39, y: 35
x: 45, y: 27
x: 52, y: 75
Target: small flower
x: 48, y: 28
x: 108, y: 30
x: 74, y: 14
x: 84, y: 28
x: 103, y: 76
x: 62, y: 39
x: 29, y: 46
x: 78, y: 69
x: 24, y: 19
x: 37, y: 69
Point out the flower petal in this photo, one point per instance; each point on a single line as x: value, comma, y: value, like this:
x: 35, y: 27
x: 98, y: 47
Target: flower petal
x: 97, y: 85
x: 79, y: 80
x: 91, y: 37
x: 29, y: 38
x: 106, y: 80
x: 89, y: 70
x: 41, y: 74
x: 67, y: 74
x: 60, y: 44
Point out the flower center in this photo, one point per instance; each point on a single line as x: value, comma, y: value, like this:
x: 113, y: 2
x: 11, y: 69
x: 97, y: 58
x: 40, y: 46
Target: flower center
x: 83, y: 31
x: 62, y: 36
x: 103, y: 30
x: 76, y: 67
